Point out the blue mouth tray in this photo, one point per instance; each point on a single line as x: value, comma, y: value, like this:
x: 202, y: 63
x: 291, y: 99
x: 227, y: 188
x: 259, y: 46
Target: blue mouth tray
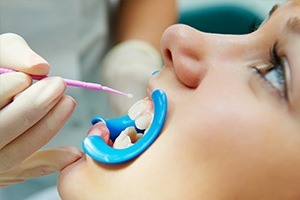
x: 96, y: 148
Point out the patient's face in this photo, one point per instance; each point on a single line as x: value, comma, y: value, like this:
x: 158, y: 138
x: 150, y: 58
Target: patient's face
x: 233, y: 124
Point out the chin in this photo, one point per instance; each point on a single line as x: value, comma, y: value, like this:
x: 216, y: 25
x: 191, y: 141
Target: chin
x: 70, y: 179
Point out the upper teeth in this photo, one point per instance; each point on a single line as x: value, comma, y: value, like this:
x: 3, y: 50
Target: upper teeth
x: 144, y: 121
x: 142, y: 113
x: 140, y: 107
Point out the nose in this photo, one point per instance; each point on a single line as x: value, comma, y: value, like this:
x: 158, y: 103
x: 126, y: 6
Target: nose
x: 183, y: 48
x: 193, y: 53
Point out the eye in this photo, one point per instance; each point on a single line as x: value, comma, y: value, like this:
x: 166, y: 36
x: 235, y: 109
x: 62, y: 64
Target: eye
x: 275, y: 72
x: 275, y: 76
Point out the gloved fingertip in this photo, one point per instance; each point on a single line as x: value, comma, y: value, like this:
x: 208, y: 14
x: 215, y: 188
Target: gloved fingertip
x: 71, y: 150
x: 17, y: 55
x: 39, y: 66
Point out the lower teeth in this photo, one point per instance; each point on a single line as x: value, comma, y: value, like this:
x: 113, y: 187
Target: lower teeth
x: 127, y: 138
x: 142, y: 113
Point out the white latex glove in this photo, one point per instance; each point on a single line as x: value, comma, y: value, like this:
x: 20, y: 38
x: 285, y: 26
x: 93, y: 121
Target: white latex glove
x: 128, y: 67
x: 30, y: 115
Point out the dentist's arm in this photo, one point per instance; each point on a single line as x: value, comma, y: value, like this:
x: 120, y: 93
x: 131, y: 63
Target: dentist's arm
x: 30, y: 115
x: 139, y: 26
x: 145, y: 20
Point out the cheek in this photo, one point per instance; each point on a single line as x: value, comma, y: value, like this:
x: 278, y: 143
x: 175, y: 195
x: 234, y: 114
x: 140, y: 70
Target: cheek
x: 223, y: 127
x: 236, y: 138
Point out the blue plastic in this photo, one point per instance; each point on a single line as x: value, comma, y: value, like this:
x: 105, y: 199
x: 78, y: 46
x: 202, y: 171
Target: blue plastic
x: 116, y: 126
x: 96, y: 148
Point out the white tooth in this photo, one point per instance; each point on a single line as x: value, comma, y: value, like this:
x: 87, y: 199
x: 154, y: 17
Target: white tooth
x: 144, y: 121
x: 127, y: 138
x: 134, y: 136
x: 139, y: 136
x: 138, y: 108
x: 123, y: 140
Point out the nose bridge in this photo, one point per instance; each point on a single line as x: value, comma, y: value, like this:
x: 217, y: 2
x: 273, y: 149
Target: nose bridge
x: 225, y: 46
x: 192, y: 52
x: 184, y: 38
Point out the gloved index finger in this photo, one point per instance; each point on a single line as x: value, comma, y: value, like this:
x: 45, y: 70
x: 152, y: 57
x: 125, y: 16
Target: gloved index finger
x: 17, y: 55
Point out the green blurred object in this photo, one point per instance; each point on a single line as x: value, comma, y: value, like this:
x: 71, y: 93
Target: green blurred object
x: 225, y: 19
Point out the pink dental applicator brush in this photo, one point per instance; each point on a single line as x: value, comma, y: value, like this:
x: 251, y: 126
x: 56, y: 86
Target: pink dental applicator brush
x: 76, y: 83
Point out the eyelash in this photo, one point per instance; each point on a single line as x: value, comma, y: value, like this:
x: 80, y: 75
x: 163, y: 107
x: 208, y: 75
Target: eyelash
x: 275, y: 64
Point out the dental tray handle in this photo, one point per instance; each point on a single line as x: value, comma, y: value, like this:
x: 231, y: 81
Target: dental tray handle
x: 116, y: 126
x: 96, y: 148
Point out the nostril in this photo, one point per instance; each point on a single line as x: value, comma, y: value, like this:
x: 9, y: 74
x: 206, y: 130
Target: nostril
x: 168, y: 55
x: 184, y: 49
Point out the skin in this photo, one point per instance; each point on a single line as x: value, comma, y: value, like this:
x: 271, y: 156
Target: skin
x: 228, y: 135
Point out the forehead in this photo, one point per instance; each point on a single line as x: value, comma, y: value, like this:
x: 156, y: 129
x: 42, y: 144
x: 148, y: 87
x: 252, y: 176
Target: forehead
x: 292, y: 3
x: 296, y: 2
x: 285, y: 11
x: 283, y: 20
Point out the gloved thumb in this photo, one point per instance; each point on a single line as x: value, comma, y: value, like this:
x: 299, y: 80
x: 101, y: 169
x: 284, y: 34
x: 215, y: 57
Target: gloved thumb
x: 17, y: 55
x: 41, y: 163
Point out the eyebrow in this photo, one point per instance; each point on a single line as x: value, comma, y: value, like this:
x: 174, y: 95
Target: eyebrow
x: 293, y: 25
x: 273, y: 9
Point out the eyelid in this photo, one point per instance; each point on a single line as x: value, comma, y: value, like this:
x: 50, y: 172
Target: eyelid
x: 278, y: 57
x: 274, y: 60
x: 262, y: 69
x: 287, y: 74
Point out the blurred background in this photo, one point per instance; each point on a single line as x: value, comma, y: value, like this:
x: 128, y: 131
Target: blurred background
x: 224, y: 16
x: 216, y: 16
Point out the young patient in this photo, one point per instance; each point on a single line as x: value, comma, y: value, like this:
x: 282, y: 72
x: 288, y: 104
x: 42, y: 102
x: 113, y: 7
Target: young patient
x: 233, y: 124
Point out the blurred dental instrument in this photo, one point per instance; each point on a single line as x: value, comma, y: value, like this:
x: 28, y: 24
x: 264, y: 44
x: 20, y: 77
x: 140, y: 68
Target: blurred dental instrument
x: 76, y: 83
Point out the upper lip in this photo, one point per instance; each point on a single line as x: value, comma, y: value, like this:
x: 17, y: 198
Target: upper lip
x: 150, y: 90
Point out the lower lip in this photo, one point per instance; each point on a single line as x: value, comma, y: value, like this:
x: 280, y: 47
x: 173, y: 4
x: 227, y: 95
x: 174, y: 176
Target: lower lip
x: 101, y: 130
x: 94, y: 130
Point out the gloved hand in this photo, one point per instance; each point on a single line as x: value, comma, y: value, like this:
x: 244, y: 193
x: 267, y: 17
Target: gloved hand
x: 30, y: 115
x: 128, y: 67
